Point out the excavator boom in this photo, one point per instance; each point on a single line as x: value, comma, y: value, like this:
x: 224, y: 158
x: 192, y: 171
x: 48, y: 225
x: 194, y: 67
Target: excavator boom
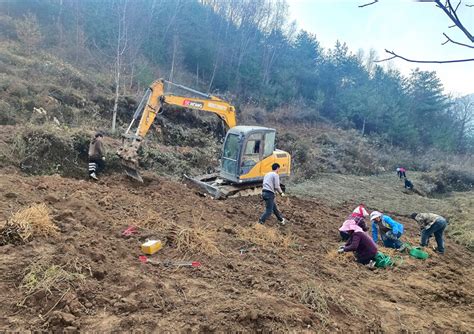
x: 152, y: 103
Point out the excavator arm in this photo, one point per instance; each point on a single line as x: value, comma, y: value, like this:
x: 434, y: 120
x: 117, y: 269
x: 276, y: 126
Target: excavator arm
x: 152, y: 104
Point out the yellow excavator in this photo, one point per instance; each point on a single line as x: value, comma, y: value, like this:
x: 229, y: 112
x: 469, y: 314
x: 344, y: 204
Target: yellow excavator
x: 248, y: 151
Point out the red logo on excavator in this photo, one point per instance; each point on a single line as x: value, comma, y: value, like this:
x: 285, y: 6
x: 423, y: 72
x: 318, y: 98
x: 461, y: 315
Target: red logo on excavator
x: 193, y: 104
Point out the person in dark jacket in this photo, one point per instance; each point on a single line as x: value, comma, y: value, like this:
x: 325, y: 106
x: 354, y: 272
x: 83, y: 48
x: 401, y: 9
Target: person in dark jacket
x: 431, y: 223
x: 359, y: 242
x: 408, y: 184
x: 96, y: 155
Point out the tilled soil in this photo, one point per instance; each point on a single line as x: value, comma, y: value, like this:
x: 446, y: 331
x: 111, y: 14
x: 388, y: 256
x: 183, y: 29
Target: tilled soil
x: 298, y: 283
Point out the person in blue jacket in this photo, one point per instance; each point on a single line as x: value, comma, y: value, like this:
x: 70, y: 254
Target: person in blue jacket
x: 390, y: 230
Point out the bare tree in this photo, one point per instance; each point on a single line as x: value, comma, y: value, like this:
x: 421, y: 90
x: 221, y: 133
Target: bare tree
x: 464, y: 111
x: 451, y: 11
x: 28, y: 31
x: 121, y: 45
x: 277, y: 30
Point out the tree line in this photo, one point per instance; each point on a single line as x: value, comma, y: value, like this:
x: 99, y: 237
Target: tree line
x: 250, y: 49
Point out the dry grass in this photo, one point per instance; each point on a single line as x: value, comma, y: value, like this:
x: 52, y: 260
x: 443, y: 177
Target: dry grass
x: 44, y: 276
x: 321, y: 300
x: 266, y: 236
x: 150, y: 219
x: 461, y: 224
x: 28, y: 223
x: 343, y: 258
x: 315, y: 298
x: 194, y: 239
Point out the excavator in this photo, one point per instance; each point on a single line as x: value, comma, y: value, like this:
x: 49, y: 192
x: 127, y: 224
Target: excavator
x: 248, y: 151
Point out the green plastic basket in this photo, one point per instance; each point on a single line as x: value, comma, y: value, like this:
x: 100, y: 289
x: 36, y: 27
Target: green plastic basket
x: 382, y: 260
x: 418, y: 253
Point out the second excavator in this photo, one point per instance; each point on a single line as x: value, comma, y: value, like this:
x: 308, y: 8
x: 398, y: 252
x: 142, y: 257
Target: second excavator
x: 248, y: 151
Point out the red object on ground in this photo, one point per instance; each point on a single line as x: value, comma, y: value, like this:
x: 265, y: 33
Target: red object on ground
x: 129, y: 231
x: 143, y: 259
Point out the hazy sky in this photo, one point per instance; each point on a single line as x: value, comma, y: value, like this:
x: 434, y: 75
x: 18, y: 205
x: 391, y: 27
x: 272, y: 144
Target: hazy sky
x: 412, y: 29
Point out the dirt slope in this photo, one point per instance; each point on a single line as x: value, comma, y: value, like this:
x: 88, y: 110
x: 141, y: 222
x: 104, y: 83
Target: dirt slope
x: 297, y: 283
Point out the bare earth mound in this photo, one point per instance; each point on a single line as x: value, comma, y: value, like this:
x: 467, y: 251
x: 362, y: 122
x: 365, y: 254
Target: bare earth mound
x: 88, y: 277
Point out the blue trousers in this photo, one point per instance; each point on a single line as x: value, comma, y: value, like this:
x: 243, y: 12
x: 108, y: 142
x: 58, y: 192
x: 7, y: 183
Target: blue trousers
x: 437, y: 229
x: 391, y: 240
x: 270, y: 207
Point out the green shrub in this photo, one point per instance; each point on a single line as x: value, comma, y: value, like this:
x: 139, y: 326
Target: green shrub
x: 7, y: 114
x: 48, y: 150
x: 17, y: 89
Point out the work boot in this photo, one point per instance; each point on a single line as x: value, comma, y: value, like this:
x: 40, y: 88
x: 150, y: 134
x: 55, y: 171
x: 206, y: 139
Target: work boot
x: 283, y: 221
x: 93, y: 176
x: 402, y: 248
x: 260, y: 222
x: 435, y: 249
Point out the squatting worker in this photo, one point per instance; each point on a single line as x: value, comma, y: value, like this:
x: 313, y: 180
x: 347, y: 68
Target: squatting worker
x: 271, y: 185
x: 96, y: 155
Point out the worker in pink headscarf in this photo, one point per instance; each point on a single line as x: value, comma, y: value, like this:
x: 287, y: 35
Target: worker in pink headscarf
x: 359, y: 242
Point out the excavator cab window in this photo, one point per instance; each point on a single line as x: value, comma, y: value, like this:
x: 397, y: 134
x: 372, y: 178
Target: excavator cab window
x: 269, y: 144
x: 252, y: 152
x: 231, y: 154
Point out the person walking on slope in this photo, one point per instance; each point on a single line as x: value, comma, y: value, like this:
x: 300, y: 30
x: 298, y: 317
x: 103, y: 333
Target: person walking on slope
x: 271, y: 185
x: 96, y: 155
x: 390, y: 230
x: 431, y: 223
x: 359, y: 242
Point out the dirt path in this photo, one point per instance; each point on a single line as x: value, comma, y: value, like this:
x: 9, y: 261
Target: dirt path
x: 291, y: 281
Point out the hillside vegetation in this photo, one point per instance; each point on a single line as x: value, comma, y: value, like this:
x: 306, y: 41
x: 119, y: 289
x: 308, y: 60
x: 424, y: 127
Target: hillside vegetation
x: 246, y: 50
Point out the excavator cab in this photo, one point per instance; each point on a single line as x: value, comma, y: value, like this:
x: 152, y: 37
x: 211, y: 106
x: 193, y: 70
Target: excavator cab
x: 248, y: 154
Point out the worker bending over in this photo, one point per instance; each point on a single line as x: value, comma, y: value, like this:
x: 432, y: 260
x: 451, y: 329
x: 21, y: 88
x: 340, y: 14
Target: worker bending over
x: 390, y: 230
x: 431, y: 223
x: 271, y: 185
x: 360, y: 211
x: 359, y: 242
x: 357, y: 216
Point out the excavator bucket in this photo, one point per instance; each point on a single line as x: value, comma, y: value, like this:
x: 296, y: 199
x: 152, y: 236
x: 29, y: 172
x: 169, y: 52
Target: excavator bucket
x: 129, y: 157
x: 132, y: 172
